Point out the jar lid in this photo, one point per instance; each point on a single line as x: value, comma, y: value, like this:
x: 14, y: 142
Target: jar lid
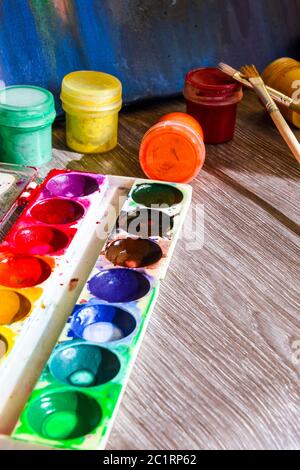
x: 25, y: 106
x: 89, y: 89
x: 172, y: 152
x: 212, y: 81
x: 277, y: 69
x: 183, y: 118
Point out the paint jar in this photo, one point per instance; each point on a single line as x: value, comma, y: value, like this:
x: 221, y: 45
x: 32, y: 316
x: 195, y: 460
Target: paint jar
x: 91, y: 101
x: 211, y: 98
x: 173, y: 149
x: 284, y: 75
x: 26, y: 117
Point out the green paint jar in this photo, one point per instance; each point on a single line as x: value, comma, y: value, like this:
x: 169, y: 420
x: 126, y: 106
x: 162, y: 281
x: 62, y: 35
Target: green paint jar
x: 26, y: 117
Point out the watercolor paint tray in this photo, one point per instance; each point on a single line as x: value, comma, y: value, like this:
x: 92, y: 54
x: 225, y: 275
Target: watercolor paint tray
x: 76, y: 398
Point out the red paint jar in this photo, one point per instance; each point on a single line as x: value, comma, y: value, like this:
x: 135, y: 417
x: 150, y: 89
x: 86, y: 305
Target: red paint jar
x: 211, y: 98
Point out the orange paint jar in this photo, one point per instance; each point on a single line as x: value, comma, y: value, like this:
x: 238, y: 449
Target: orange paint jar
x: 284, y: 75
x: 173, y: 149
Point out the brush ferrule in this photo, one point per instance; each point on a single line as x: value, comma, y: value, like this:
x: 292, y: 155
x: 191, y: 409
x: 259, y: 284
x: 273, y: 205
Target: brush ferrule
x: 237, y: 76
x: 271, y: 106
x: 280, y: 97
x: 275, y: 94
x: 263, y: 94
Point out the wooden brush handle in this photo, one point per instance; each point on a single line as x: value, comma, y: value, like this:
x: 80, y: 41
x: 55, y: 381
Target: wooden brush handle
x: 274, y: 112
x: 286, y: 133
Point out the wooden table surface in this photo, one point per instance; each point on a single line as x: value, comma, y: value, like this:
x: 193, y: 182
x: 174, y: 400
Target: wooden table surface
x: 216, y: 369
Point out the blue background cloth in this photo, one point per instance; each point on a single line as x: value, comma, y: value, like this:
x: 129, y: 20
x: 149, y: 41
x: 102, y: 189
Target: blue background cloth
x: 148, y: 44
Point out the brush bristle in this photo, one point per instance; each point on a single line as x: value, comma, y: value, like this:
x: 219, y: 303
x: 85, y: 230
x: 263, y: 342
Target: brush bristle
x: 226, y: 69
x: 250, y: 71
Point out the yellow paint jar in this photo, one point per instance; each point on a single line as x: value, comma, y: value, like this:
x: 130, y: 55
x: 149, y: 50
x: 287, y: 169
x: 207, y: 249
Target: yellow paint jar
x: 284, y: 75
x: 91, y: 101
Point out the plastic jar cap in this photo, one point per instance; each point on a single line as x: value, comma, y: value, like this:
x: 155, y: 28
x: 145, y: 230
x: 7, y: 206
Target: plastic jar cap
x: 172, y: 152
x: 277, y: 69
x: 212, y: 81
x: 185, y: 119
x: 25, y: 106
x: 88, y: 89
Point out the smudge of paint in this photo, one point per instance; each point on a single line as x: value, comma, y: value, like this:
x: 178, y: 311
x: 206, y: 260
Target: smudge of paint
x: 150, y: 194
x: 133, y: 252
x: 72, y: 185
x: 57, y: 211
x: 14, y: 306
x: 145, y: 223
x: 119, y: 285
x: 83, y: 365
x: 40, y: 240
x: 3, y: 346
x: 63, y: 415
x: 18, y: 271
x: 102, y: 323
x: 73, y: 284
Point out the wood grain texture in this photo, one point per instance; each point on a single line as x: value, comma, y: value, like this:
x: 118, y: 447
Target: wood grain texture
x: 215, y: 369
x: 259, y: 160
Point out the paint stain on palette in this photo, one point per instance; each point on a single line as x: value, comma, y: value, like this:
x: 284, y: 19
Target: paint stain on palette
x: 76, y: 398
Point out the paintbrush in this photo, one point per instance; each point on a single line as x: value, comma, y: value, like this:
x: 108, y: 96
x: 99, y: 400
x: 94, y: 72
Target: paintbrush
x: 250, y: 73
x: 275, y: 94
